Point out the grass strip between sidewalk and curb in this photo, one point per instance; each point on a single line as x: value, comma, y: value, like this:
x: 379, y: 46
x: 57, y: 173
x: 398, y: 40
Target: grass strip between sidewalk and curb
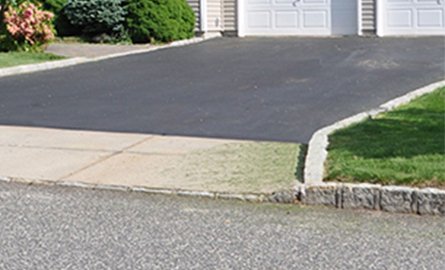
x: 405, y: 146
x: 11, y: 59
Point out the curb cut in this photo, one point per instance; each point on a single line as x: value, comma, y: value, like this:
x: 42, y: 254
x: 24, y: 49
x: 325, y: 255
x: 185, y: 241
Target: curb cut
x: 24, y: 69
x: 394, y: 199
x: 284, y: 196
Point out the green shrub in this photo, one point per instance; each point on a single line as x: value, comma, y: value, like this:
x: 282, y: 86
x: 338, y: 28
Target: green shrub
x: 97, y: 17
x: 55, y: 6
x: 160, y: 20
x: 61, y: 22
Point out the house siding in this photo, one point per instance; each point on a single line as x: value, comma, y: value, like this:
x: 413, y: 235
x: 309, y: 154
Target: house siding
x: 368, y: 16
x: 196, y: 7
x: 214, y: 12
x: 229, y: 15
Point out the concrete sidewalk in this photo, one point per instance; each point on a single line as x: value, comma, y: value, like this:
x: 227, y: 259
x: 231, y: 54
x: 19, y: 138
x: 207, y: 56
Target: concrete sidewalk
x: 136, y: 160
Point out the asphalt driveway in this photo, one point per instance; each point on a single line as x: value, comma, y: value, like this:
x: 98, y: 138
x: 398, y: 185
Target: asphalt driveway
x: 279, y: 89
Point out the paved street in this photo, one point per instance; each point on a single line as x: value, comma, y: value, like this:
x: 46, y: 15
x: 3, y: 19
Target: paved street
x: 69, y: 228
x: 279, y: 89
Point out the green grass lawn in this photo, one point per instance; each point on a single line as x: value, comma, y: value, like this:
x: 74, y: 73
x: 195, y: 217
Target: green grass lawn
x: 22, y: 58
x: 404, y: 147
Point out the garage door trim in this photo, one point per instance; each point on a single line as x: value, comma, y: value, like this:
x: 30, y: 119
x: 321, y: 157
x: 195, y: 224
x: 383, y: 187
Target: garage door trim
x: 354, y: 24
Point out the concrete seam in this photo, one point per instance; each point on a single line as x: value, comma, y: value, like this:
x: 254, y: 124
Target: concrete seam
x: 107, y: 157
x: 56, y: 148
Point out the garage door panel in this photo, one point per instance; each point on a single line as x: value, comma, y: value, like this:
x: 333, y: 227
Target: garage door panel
x: 287, y: 3
x: 312, y: 2
x: 430, y: 18
x: 427, y: 2
x: 400, y: 18
x: 259, y: 19
x: 258, y: 2
x: 400, y: 2
x: 413, y: 17
x: 286, y: 19
x: 315, y: 19
x: 300, y: 17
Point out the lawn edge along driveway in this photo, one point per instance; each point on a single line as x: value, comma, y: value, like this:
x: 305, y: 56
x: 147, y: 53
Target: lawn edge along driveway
x: 369, y: 196
x: 10, y: 59
x: 49, y: 65
x: 404, y: 146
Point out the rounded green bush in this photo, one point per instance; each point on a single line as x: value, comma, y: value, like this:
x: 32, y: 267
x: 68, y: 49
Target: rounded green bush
x: 96, y: 17
x: 159, y: 20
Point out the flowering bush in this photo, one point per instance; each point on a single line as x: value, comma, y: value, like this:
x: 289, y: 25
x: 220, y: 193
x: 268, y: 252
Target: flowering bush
x: 27, y: 26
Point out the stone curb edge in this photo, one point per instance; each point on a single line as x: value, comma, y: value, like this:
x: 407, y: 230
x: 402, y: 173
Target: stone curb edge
x: 23, y: 69
x: 317, y: 149
x: 284, y: 196
x: 394, y: 199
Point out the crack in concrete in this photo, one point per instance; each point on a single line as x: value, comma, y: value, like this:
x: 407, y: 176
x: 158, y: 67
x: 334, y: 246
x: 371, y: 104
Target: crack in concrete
x: 100, y: 160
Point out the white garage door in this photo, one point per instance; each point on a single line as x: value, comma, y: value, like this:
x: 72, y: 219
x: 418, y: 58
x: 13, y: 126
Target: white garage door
x: 300, y: 17
x: 413, y: 17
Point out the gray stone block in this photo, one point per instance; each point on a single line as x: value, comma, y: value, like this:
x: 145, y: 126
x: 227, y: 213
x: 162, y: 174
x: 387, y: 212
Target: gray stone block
x: 361, y: 196
x: 284, y: 196
x: 322, y: 195
x: 431, y: 202
x: 398, y: 199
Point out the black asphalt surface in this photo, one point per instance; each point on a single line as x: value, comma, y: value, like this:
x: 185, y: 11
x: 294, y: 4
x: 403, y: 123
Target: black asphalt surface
x: 279, y: 89
x: 67, y: 228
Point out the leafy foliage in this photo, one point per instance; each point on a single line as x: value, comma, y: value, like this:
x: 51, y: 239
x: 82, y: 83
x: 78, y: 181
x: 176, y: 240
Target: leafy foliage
x: 97, y: 17
x: 61, y: 22
x: 27, y: 27
x: 160, y: 20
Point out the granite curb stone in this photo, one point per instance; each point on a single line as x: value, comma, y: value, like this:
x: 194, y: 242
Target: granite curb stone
x: 324, y: 194
x: 364, y: 196
x: 395, y: 199
x: 398, y: 199
x: 317, y: 150
x: 431, y: 201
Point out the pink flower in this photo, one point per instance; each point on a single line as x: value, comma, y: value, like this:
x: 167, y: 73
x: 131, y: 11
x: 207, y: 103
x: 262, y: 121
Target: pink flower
x: 28, y: 13
x: 27, y: 24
